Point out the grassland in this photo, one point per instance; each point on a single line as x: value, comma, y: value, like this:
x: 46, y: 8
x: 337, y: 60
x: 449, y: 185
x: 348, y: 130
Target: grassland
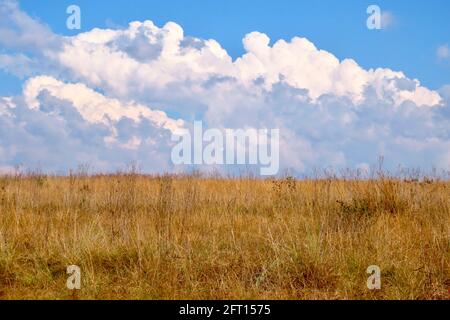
x: 188, y: 237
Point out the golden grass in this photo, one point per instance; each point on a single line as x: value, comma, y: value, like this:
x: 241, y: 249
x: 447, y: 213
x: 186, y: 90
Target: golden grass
x: 187, y: 237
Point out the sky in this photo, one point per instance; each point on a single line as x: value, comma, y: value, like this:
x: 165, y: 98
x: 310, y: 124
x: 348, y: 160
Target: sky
x: 409, y: 43
x: 342, y: 95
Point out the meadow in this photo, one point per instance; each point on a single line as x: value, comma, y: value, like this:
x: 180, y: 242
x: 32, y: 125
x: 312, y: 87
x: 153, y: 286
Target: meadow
x: 194, y: 237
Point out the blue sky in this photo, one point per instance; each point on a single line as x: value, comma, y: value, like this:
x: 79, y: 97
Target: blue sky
x: 114, y: 92
x: 409, y: 44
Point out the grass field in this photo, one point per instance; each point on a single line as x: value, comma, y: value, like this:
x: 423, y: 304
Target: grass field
x: 188, y: 237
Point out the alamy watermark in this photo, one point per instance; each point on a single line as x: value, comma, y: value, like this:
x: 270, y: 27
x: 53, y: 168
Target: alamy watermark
x: 73, y: 22
x: 374, y: 280
x: 74, y: 280
x: 229, y: 147
x: 374, y: 20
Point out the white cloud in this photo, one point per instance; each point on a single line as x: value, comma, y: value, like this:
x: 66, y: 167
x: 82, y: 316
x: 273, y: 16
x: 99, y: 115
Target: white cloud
x: 93, y: 106
x: 117, y: 65
x: 20, y: 31
x: 443, y: 52
x: 105, y: 96
x: 57, y: 137
x: 387, y: 19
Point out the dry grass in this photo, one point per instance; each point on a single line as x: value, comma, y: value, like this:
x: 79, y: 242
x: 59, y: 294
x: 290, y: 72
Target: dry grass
x: 138, y: 237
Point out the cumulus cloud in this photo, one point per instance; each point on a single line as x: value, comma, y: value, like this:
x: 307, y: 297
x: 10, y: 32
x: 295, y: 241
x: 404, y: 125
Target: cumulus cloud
x: 93, y: 106
x: 56, y: 134
x: 20, y: 31
x: 107, y: 96
x: 25, y: 43
x: 126, y: 65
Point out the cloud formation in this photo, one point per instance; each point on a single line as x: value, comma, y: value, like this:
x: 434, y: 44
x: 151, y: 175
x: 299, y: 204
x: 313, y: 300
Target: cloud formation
x: 108, y: 96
